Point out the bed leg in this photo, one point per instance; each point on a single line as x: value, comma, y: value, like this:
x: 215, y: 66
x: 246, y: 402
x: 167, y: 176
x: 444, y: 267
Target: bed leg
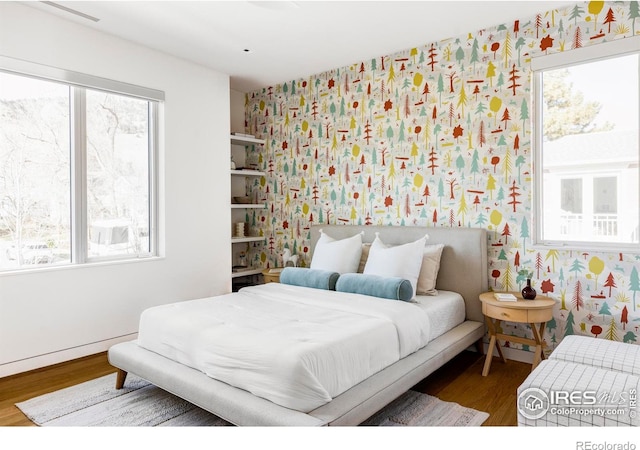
x: 120, y: 377
x: 480, y: 346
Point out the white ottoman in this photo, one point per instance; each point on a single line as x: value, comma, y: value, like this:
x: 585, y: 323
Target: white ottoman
x: 563, y: 393
x: 601, y: 353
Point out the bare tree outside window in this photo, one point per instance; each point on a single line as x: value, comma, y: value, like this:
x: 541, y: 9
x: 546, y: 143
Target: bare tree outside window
x: 117, y: 174
x: 34, y: 172
x: 40, y: 208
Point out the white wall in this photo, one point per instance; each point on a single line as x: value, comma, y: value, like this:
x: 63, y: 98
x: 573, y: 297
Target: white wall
x: 237, y: 111
x: 51, y: 315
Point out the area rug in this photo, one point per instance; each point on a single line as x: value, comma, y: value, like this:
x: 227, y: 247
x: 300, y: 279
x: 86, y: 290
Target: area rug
x: 98, y: 403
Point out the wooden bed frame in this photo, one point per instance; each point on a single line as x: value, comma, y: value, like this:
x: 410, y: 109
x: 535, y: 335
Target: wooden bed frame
x: 463, y: 269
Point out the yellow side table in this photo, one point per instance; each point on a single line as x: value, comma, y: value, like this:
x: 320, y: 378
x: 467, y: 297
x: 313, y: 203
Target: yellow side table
x: 272, y: 275
x: 534, y: 312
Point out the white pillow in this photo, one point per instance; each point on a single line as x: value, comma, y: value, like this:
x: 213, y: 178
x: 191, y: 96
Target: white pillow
x: 402, y: 261
x: 429, y: 270
x: 342, y: 256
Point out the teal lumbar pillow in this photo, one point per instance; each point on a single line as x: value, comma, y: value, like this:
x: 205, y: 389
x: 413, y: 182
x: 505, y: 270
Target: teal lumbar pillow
x: 312, y: 278
x: 394, y: 288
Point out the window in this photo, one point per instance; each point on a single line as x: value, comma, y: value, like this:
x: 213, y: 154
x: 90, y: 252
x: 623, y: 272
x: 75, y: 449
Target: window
x: 77, y: 169
x: 587, y: 147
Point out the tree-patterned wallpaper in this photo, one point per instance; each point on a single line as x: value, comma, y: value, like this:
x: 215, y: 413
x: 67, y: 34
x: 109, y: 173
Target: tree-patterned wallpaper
x: 440, y: 135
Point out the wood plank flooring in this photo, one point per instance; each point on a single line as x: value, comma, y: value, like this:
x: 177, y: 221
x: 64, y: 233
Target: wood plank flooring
x: 459, y: 381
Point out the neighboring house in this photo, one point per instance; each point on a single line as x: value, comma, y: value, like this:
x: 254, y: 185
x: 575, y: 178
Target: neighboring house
x: 592, y: 200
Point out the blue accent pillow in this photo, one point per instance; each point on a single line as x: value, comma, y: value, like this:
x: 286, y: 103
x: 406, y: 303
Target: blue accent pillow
x: 394, y: 288
x: 312, y: 278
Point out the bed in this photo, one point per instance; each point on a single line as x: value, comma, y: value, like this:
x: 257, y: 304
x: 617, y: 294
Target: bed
x: 462, y: 273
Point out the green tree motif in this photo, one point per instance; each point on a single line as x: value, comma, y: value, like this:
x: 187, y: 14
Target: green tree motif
x: 401, y: 137
x: 440, y: 191
x: 576, y: 13
x: 629, y: 337
x: 524, y: 112
x: 634, y: 284
x: 634, y: 13
x: 578, y: 267
x: 520, y: 160
x: 551, y: 325
x: 460, y: 163
x: 481, y: 220
x: 568, y: 327
x: 604, y: 310
x: 519, y: 44
x: 480, y: 109
x: 474, y: 53
x: 440, y: 88
x: 475, y: 168
x: 524, y: 232
x: 459, y: 55
x: 436, y: 131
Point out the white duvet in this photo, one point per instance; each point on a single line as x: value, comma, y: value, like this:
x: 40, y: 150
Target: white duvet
x: 297, y: 347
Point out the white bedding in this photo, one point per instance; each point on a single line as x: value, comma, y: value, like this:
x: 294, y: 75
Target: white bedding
x: 445, y: 311
x: 297, y: 347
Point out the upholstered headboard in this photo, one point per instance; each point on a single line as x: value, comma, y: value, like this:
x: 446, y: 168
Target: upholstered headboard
x: 463, y: 266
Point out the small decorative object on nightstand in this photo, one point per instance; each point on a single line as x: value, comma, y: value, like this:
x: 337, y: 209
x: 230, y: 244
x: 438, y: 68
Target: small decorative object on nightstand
x: 534, y: 312
x: 528, y: 292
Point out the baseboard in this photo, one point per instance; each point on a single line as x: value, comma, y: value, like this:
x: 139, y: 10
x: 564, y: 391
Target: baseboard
x: 49, y: 359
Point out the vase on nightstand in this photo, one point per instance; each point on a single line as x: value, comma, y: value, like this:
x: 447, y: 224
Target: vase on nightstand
x: 528, y: 293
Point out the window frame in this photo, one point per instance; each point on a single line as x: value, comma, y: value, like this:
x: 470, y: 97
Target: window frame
x: 78, y: 84
x: 599, y: 52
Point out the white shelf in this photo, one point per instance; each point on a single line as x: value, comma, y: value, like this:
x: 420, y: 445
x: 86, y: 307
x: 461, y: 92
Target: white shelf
x: 239, y: 179
x: 247, y: 205
x: 237, y: 240
x: 245, y: 140
x: 244, y: 273
x: 248, y: 173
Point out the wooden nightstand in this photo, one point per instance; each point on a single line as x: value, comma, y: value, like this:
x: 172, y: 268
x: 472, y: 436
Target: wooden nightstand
x: 272, y: 275
x: 534, y: 312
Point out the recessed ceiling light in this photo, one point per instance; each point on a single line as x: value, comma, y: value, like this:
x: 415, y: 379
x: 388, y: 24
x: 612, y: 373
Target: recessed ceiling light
x: 276, y: 6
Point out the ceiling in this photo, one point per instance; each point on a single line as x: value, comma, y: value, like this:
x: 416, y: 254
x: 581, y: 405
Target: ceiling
x: 262, y: 43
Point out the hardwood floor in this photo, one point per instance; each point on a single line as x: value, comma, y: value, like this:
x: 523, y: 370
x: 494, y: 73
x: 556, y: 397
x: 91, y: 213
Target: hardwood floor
x: 17, y: 388
x: 459, y: 381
